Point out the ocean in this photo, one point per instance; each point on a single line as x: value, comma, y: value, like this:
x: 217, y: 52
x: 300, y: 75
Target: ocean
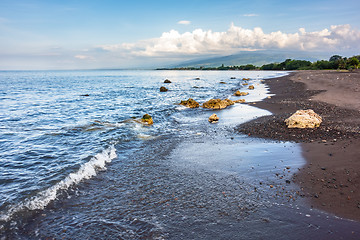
x: 76, y: 164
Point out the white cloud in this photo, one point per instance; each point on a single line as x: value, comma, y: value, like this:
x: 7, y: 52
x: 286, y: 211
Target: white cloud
x: 184, y: 22
x: 84, y: 57
x: 198, y: 42
x: 251, y: 15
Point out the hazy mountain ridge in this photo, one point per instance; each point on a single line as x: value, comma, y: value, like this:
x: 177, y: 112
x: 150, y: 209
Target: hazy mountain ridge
x: 257, y: 58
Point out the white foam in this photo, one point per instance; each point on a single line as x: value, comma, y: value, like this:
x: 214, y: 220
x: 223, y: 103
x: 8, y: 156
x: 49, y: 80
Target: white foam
x: 86, y: 171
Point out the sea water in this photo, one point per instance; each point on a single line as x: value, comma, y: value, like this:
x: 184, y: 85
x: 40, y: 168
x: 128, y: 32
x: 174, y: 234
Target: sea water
x: 75, y: 163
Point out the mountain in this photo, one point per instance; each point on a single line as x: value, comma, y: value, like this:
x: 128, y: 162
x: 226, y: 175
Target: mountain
x: 257, y: 58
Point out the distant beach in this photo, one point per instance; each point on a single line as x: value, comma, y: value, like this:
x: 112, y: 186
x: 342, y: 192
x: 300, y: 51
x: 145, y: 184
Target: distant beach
x: 330, y: 179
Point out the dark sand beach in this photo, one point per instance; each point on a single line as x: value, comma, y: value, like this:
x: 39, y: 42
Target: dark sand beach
x: 330, y: 180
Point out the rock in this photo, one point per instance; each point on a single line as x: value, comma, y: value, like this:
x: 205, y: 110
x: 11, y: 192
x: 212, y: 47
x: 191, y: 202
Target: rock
x: 197, y: 78
x: 147, y: 119
x: 245, y: 84
x: 246, y: 79
x: 190, y: 103
x: 251, y: 87
x: 233, y: 78
x: 213, y: 118
x: 167, y: 81
x: 304, y: 119
x: 238, y: 93
x: 230, y: 102
x: 223, y: 82
x: 239, y: 101
x: 217, y: 103
x: 85, y: 95
x: 163, y: 89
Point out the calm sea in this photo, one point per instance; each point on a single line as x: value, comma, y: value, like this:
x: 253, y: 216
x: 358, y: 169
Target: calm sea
x: 75, y: 164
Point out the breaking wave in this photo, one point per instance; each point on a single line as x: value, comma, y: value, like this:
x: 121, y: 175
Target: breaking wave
x: 43, y: 198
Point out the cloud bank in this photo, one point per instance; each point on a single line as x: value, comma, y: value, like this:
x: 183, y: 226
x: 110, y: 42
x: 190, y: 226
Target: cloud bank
x: 201, y: 42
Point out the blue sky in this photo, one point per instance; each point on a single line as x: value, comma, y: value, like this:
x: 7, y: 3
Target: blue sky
x: 121, y: 34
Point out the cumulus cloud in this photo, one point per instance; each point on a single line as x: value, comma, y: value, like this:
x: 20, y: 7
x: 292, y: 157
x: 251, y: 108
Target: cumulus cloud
x: 197, y: 42
x: 184, y: 22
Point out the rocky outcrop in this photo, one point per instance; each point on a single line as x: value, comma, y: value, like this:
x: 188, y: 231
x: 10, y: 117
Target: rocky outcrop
x: 190, y: 103
x: 167, y: 81
x: 213, y: 118
x: 217, y: 103
x: 147, y: 119
x: 163, y: 89
x: 304, y: 119
x: 251, y: 87
x: 239, y: 101
x: 238, y: 93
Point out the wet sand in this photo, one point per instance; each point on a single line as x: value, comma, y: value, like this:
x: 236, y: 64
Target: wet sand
x: 330, y: 180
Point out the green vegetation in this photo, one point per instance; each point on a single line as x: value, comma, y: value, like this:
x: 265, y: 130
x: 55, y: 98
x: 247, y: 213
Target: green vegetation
x: 335, y: 62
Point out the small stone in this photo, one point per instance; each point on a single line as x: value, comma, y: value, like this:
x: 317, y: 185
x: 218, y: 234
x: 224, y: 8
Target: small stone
x: 238, y: 93
x: 323, y: 168
x: 163, y: 89
x: 213, y: 118
x: 251, y: 87
x: 167, y: 81
x: 147, y: 119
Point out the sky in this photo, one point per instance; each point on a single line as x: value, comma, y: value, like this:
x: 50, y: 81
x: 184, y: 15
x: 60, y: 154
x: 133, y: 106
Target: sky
x: 87, y: 34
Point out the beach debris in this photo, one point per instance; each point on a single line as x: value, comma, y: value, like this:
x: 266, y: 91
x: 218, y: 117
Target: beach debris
x: 304, y: 119
x: 239, y: 101
x: 147, y: 119
x: 163, y: 89
x: 251, y: 87
x: 190, y: 103
x: 213, y: 118
x: 238, y: 93
x: 217, y: 103
x: 167, y: 81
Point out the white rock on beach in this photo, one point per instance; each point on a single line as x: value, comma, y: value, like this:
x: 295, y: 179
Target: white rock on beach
x: 304, y: 119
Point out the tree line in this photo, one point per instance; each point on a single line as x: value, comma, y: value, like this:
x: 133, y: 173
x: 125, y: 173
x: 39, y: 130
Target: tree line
x: 335, y: 62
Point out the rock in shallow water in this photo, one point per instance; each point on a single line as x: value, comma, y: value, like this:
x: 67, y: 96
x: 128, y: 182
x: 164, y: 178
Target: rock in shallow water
x: 163, y: 89
x: 190, y: 103
x: 213, y: 118
x: 217, y: 103
x: 238, y: 93
x: 147, y: 119
x: 304, y: 119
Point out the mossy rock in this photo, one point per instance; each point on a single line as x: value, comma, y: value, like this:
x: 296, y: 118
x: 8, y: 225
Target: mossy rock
x: 147, y: 119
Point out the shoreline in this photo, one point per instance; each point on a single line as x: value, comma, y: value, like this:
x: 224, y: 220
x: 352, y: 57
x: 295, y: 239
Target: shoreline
x: 330, y: 178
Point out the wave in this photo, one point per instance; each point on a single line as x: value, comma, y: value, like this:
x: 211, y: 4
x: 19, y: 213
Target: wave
x: 43, y: 198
